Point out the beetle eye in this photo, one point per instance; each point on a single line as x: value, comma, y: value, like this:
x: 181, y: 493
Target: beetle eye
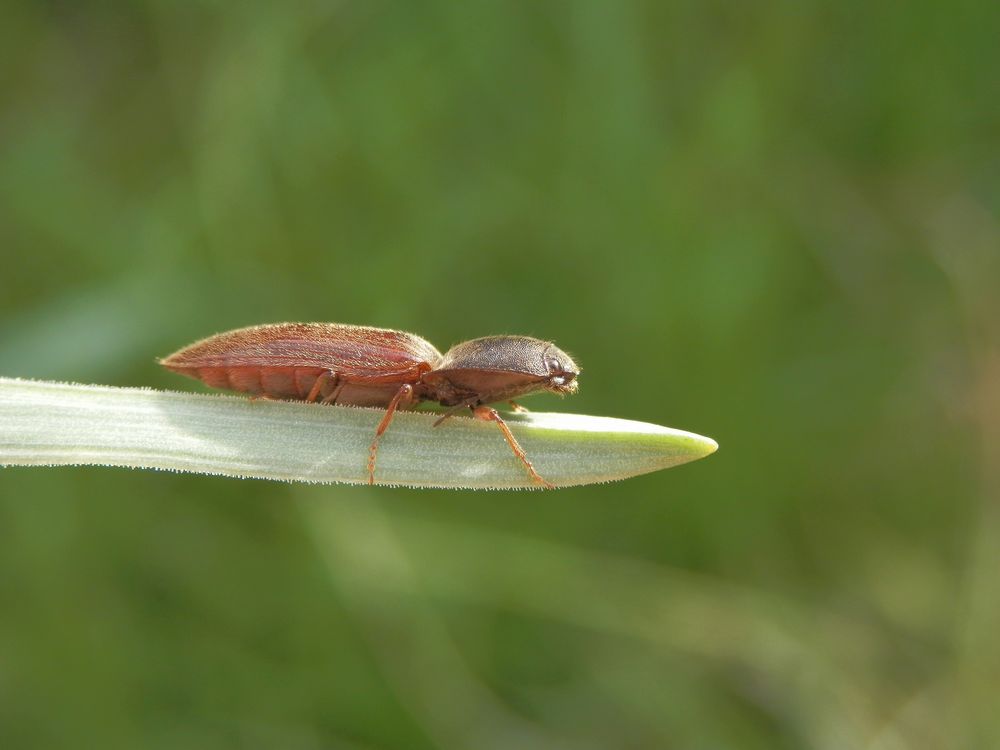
x: 554, y: 365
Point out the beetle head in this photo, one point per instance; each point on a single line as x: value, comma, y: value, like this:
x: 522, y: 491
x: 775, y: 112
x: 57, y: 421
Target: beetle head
x: 561, y: 369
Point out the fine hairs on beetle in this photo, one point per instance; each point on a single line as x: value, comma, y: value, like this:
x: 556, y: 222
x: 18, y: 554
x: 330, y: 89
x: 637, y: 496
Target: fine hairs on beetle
x: 335, y: 363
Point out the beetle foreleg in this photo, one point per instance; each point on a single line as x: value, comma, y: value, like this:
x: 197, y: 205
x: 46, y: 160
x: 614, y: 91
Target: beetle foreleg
x: 489, y: 414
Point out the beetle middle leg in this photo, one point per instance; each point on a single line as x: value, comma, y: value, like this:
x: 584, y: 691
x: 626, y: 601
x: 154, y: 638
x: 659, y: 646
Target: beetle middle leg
x: 489, y: 414
x: 402, y: 399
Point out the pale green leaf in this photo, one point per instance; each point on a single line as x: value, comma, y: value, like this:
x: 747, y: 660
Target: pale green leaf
x: 56, y: 424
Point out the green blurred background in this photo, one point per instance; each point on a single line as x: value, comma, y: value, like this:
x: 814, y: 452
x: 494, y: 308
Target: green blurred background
x: 772, y: 223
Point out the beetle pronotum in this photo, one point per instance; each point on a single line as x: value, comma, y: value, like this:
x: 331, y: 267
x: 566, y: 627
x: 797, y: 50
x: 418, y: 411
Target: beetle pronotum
x: 334, y: 363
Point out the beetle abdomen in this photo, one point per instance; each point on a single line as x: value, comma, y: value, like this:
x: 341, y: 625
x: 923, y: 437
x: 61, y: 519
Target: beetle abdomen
x: 275, y: 382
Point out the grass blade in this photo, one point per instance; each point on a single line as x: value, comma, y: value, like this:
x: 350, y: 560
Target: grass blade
x: 57, y: 424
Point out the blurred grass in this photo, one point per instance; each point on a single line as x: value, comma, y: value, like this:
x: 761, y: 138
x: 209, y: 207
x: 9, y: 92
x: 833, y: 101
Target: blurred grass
x: 775, y: 224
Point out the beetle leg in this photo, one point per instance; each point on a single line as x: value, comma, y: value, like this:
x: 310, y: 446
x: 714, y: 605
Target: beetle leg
x: 322, y: 379
x: 489, y: 414
x: 404, y: 397
x: 337, y: 388
x: 516, y: 407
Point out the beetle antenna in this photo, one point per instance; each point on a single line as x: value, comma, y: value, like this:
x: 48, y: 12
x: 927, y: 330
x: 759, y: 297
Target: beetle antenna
x: 453, y: 411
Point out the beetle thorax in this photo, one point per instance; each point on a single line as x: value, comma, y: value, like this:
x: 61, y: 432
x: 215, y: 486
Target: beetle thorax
x: 453, y: 387
x: 498, y: 368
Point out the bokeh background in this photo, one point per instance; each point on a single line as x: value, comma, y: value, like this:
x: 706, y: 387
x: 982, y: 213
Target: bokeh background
x: 772, y: 223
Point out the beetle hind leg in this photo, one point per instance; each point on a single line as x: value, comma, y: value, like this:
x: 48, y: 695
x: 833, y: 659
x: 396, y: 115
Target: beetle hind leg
x: 328, y: 379
x: 337, y: 388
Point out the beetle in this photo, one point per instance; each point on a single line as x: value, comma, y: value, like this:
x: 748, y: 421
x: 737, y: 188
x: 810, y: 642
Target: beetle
x: 335, y: 363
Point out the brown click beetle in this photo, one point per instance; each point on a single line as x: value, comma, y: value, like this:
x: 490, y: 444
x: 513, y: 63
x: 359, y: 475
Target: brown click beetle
x: 334, y: 363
